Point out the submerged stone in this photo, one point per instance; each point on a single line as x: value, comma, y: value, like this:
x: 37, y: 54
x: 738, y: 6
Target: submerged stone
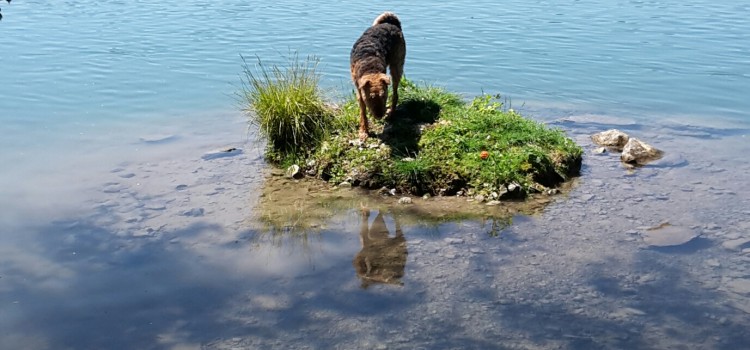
x: 668, y: 236
x: 221, y: 153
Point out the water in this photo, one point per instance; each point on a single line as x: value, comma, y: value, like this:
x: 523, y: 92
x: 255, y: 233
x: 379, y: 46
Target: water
x: 115, y: 233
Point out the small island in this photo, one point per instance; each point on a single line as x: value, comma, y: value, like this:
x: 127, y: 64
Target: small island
x: 436, y: 143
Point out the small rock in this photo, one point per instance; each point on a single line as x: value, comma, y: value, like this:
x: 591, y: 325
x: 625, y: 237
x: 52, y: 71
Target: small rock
x: 426, y: 196
x: 739, y: 286
x: 152, y: 139
x: 293, y: 171
x: 647, y: 278
x: 495, y: 202
x: 392, y: 191
x: 668, y: 236
x: 345, y: 184
x: 451, y: 240
x: 600, y: 150
x: 222, y: 153
x: 155, y: 206
x: 638, y: 152
x: 611, y: 138
x: 479, y: 198
x: 736, y: 244
x: 113, y: 188
x: 405, y: 200
x: 195, y: 212
x: 627, y: 312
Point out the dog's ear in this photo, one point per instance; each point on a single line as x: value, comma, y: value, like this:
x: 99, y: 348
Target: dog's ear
x: 385, y: 79
x: 365, y: 83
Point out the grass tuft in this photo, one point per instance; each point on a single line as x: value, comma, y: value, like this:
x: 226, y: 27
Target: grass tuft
x: 287, y: 106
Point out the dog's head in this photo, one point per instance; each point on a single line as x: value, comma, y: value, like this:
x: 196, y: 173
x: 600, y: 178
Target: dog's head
x: 374, y: 90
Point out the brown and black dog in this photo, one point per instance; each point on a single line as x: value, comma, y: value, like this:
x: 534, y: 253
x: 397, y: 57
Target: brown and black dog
x: 380, y: 46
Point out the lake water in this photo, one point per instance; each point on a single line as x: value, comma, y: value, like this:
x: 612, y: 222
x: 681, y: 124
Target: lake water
x: 115, y: 232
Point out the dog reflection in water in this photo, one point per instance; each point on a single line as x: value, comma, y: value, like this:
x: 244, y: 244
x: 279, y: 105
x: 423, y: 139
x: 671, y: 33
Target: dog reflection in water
x: 382, y: 258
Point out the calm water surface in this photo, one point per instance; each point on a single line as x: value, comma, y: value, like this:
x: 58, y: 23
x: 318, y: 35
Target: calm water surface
x: 116, y: 233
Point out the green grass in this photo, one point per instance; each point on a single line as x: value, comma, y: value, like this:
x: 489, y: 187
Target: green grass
x: 287, y: 106
x: 431, y: 145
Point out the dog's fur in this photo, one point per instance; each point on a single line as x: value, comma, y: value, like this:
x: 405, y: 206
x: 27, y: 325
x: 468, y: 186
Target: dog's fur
x: 380, y: 46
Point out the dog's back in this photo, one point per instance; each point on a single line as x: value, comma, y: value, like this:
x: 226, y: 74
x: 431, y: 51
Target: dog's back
x: 375, y: 49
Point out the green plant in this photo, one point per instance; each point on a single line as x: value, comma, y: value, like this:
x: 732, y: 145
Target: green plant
x: 287, y: 106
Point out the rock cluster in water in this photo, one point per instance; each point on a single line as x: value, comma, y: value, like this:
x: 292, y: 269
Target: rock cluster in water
x: 633, y: 151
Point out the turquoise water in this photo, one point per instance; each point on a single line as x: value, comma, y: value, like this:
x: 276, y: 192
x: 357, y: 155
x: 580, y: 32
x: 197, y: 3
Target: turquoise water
x: 107, y: 107
x: 95, y: 61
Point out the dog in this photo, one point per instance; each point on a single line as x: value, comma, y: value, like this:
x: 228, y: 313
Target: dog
x: 381, y: 46
x: 382, y: 258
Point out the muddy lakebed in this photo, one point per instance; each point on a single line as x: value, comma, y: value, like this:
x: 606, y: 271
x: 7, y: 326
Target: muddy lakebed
x: 190, y: 251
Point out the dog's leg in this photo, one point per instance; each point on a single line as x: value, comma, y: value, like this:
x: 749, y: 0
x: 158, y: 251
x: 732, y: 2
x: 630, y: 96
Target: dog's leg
x: 363, y: 127
x: 396, y: 80
x: 397, y: 71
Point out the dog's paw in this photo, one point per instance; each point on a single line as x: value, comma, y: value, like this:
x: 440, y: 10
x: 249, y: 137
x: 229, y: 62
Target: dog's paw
x: 362, y: 135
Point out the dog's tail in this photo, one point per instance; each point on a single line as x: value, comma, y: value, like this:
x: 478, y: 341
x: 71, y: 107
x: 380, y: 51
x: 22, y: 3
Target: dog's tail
x: 387, y: 17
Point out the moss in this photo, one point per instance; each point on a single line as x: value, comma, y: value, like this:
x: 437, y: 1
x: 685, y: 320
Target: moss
x: 433, y: 145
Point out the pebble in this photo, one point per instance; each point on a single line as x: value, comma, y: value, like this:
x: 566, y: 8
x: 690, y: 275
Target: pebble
x: 222, y: 153
x: 405, y: 200
x: 195, y: 212
x: 450, y: 240
x: 736, y: 244
x: 155, y: 206
x: 113, y: 188
x: 739, y: 286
